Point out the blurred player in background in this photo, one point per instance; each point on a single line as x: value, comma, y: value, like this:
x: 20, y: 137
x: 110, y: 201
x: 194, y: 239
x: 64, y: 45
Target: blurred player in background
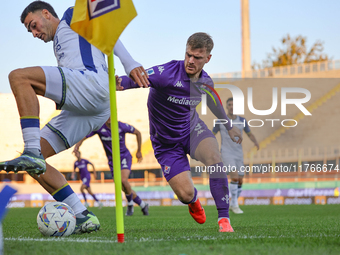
x: 125, y: 157
x: 79, y: 86
x: 176, y: 129
x: 232, y: 154
x: 85, y: 177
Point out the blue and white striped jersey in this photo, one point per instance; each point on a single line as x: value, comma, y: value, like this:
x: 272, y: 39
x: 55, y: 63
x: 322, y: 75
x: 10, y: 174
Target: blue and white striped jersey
x: 228, y: 147
x: 74, y: 52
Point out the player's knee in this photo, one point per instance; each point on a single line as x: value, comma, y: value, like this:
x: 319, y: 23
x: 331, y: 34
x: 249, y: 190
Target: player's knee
x: 125, y: 185
x: 214, y: 158
x: 185, y: 196
x: 234, y: 180
x: 15, y: 76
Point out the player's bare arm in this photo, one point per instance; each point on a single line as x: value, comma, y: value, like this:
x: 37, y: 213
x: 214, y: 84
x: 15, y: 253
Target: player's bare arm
x: 78, y: 144
x: 139, y: 145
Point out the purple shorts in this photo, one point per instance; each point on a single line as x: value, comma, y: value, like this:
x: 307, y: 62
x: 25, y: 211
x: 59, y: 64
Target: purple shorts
x: 173, y: 157
x: 125, y: 162
x: 86, y: 180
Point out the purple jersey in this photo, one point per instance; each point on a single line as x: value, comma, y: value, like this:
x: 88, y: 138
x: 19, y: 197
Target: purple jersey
x: 105, y: 136
x: 173, y: 99
x: 82, y: 166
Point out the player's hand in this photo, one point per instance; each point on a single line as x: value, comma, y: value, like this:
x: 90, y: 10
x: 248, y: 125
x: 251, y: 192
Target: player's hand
x: 76, y: 149
x: 139, y: 76
x: 119, y: 87
x: 235, y: 135
x: 257, y: 146
x: 139, y: 157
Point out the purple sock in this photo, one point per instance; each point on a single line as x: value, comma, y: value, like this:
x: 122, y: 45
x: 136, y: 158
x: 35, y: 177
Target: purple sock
x: 84, y: 195
x: 94, y: 196
x: 137, y: 200
x: 129, y: 197
x: 218, y: 182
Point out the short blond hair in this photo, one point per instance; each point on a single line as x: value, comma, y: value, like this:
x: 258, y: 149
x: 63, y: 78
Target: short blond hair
x: 201, y: 40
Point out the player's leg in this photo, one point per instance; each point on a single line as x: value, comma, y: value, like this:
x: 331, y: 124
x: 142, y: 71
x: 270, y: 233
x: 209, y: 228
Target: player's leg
x: 83, y: 187
x: 55, y: 183
x: 239, y: 187
x: 236, y: 175
x: 207, y: 152
x: 234, y: 183
x: 204, y: 146
x: 184, y: 189
x: 176, y: 170
x: 131, y: 195
x: 26, y: 84
x: 89, y: 190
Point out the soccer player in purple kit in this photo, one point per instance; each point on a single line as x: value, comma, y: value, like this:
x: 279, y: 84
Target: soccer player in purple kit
x: 79, y: 86
x: 85, y: 177
x: 126, y: 159
x: 176, y: 129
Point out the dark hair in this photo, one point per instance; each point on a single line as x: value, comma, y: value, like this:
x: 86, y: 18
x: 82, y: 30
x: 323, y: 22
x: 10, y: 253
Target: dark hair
x: 36, y: 6
x: 200, y: 41
x: 230, y: 99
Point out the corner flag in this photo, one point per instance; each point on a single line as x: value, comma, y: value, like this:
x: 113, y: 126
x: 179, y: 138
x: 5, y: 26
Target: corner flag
x: 101, y: 22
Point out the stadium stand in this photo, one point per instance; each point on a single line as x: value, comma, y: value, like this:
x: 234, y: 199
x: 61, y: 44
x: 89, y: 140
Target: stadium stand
x: 313, y: 139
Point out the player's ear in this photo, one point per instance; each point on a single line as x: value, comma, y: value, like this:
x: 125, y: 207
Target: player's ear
x: 208, y: 58
x: 46, y: 14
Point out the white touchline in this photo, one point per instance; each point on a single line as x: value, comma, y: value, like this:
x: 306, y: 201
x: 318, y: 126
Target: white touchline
x: 146, y: 239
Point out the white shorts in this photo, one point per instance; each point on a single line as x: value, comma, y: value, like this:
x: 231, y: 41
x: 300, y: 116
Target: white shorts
x: 234, y: 165
x: 83, y: 97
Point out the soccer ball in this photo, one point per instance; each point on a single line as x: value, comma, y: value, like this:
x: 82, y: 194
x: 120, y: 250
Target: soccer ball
x: 56, y: 219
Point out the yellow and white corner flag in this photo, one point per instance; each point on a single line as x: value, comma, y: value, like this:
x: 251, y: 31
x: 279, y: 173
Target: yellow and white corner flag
x: 101, y: 22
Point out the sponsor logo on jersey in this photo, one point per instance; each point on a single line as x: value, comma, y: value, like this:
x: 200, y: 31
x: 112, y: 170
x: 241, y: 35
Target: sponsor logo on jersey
x: 104, y: 138
x: 161, y: 69
x: 183, y: 101
x: 150, y: 71
x: 179, y: 84
x: 199, y: 129
x: 103, y: 130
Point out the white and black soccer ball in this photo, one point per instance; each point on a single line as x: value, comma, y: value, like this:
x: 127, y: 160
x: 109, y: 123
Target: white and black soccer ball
x: 56, y: 219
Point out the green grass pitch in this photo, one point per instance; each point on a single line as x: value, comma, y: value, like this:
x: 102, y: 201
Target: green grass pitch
x: 288, y: 229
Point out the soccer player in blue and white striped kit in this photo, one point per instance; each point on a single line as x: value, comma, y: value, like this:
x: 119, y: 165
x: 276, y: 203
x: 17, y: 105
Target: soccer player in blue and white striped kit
x: 79, y: 86
x: 232, y: 154
x: 176, y: 129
